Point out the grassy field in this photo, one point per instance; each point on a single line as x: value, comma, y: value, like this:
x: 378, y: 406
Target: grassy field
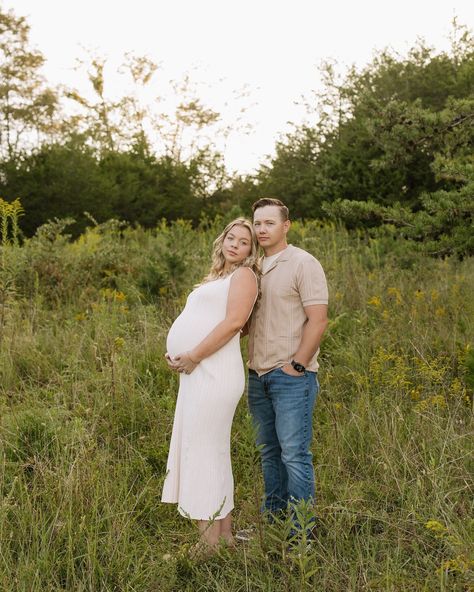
x: 86, y: 407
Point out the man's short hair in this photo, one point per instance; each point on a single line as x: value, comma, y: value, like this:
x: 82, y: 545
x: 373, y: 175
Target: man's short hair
x: 272, y: 201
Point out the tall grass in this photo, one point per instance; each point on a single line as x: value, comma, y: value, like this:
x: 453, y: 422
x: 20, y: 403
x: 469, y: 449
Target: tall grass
x: 86, y: 405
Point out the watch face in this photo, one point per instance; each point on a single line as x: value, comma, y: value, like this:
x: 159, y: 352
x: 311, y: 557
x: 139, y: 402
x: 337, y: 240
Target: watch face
x: 298, y: 367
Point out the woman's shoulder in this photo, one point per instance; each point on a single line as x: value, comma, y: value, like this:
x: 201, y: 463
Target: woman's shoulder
x: 244, y: 272
x: 244, y: 277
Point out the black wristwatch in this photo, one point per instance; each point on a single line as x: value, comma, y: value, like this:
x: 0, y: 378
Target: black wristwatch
x: 298, y: 367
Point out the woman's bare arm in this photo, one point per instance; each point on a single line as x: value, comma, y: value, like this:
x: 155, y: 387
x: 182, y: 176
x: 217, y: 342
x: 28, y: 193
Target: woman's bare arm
x: 242, y: 295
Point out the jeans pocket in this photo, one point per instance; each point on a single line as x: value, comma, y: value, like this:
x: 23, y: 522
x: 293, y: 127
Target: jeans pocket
x: 301, y: 375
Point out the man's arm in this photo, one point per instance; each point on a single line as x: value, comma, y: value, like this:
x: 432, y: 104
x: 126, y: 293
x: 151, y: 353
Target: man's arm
x: 311, y: 338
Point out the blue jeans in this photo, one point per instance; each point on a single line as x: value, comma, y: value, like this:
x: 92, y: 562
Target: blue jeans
x: 281, y: 406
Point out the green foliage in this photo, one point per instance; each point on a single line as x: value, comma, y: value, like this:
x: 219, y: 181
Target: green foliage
x: 68, y: 180
x: 392, y: 142
x: 444, y: 224
x: 10, y: 213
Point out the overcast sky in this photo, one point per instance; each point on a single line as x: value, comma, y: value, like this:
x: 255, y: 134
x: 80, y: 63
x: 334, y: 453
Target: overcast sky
x: 273, y: 46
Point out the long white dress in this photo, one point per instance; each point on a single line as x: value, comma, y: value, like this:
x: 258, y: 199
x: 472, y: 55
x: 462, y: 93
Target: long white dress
x: 199, y: 472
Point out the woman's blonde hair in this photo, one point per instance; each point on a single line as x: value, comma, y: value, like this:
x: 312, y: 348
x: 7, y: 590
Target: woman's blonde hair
x: 218, y: 259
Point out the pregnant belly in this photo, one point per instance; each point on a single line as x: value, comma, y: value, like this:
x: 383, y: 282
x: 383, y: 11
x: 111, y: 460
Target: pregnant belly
x: 185, y: 333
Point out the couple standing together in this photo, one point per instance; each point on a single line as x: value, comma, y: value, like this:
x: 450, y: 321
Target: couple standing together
x: 282, y: 299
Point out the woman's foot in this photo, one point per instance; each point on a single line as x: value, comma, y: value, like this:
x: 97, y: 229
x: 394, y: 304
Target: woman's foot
x: 202, y: 550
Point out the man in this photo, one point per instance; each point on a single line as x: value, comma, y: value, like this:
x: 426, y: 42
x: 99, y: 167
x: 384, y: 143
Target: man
x: 284, y: 336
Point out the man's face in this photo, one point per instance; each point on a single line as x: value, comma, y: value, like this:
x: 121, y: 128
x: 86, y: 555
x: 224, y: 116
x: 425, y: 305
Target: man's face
x: 270, y: 228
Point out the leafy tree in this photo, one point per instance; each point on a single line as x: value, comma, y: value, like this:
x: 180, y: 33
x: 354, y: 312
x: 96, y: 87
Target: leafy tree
x: 66, y: 180
x: 57, y: 181
x: 27, y: 104
x: 109, y: 124
x: 444, y: 222
x: 392, y: 141
x: 146, y: 189
x: 341, y: 155
x: 187, y: 134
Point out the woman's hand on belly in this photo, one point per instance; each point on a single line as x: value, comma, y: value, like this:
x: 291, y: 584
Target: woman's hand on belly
x: 172, y: 364
x: 182, y: 363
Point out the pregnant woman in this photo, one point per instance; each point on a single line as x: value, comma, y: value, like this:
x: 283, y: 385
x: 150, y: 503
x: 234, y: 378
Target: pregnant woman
x: 203, y: 345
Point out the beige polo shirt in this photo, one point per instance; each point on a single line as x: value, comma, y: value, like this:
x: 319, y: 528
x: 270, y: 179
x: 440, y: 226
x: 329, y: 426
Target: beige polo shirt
x: 296, y: 279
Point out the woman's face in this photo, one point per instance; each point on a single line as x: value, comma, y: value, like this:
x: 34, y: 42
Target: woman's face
x: 237, y: 244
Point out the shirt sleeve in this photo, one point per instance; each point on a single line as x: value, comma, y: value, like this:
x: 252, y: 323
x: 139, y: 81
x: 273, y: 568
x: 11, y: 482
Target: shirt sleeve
x: 311, y: 282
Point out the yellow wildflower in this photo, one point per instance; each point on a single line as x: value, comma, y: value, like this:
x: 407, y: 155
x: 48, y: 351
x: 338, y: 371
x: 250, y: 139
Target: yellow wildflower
x: 458, y: 391
x: 456, y: 387
x: 394, y: 293
x: 415, y: 393
x: 113, y: 295
x: 419, y: 295
x: 436, y: 527
x: 422, y: 405
x: 434, y: 295
x: 461, y: 564
x: 375, y: 301
x: 119, y: 342
x: 438, y: 401
x: 440, y: 311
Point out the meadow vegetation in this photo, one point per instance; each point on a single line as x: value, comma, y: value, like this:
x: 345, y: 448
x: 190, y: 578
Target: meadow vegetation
x: 87, y: 402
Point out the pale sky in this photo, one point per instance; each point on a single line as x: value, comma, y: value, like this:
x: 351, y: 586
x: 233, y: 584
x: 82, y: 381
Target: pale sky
x: 273, y: 46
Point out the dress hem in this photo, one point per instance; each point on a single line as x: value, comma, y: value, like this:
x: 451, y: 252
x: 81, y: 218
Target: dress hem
x: 200, y: 517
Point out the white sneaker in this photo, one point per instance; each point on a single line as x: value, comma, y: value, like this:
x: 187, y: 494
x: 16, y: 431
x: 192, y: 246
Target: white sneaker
x: 245, y: 535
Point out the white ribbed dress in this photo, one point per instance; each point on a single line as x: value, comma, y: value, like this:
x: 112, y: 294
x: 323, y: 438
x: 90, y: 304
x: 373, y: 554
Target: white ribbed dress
x: 199, y: 472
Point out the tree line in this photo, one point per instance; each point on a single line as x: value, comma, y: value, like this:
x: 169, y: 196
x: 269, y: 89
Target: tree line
x: 387, y: 147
